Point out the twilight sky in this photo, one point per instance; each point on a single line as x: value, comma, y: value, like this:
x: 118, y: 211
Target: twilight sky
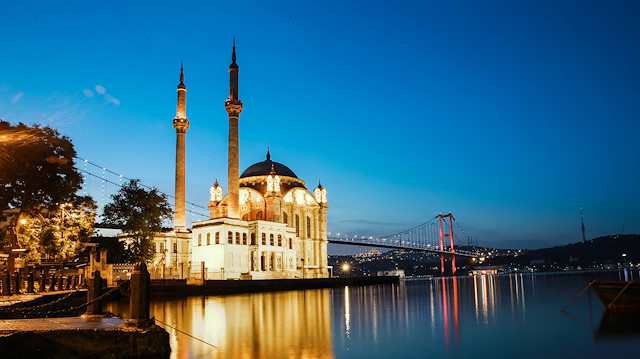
x: 510, y: 114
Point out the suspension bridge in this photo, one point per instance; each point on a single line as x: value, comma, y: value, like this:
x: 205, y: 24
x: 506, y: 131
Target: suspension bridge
x: 437, y: 236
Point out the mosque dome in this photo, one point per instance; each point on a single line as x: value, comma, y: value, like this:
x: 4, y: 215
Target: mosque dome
x: 264, y: 169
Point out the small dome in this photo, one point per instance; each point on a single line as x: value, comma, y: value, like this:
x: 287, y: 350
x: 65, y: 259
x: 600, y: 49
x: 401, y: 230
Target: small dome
x: 264, y: 168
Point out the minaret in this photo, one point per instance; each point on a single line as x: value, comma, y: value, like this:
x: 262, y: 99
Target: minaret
x: 181, y: 124
x: 233, y: 105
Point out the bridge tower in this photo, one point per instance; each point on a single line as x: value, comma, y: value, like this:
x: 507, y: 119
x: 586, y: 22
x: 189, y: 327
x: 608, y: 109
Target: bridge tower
x: 442, y: 218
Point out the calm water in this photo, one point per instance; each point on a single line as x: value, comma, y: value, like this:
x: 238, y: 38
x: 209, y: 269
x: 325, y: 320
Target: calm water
x: 511, y: 316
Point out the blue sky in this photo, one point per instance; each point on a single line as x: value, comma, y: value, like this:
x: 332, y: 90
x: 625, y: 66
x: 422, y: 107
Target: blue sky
x: 510, y: 114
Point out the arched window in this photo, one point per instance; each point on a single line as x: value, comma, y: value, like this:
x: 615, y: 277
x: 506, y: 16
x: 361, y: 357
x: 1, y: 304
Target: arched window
x: 155, y: 247
x: 217, y: 237
x: 259, y: 215
x: 230, y: 237
x: 237, y: 237
x: 308, y: 227
x: 264, y: 239
x: 175, y: 247
x: 297, y: 225
x: 161, y: 247
x: 253, y: 239
x: 290, y: 243
x: 279, y: 240
x: 199, y: 241
x: 271, y: 239
x: 244, y: 238
x: 285, y: 217
x: 208, y: 238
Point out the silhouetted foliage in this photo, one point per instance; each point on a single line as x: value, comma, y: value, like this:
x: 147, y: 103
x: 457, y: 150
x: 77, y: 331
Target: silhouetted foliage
x: 37, y: 174
x: 140, y: 213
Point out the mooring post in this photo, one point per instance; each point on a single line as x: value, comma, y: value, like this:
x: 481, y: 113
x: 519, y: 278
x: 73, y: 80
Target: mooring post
x: 30, y: 283
x: 52, y: 283
x: 203, y: 273
x: 16, y: 283
x: 61, y: 282
x: 140, y: 295
x: 43, y: 281
x: 6, y: 284
x: 95, y: 290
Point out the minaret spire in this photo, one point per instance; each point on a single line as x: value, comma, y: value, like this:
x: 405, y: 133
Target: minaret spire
x: 181, y: 124
x: 233, y: 105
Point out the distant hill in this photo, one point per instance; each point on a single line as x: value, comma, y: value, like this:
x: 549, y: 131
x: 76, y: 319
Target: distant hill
x: 601, y: 250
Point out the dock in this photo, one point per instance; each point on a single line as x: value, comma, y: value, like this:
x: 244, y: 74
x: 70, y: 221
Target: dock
x: 90, y: 336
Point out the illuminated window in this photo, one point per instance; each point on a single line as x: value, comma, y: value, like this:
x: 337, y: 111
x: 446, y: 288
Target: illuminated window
x: 259, y: 215
x: 155, y: 247
x: 279, y: 240
x: 244, y: 238
x: 264, y: 239
x: 253, y: 239
x: 208, y: 238
x: 308, y: 227
x: 297, y: 226
x: 199, y: 240
x: 271, y: 239
x: 237, y: 237
x: 217, y: 237
x: 175, y: 247
x: 161, y: 247
x: 230, y: 237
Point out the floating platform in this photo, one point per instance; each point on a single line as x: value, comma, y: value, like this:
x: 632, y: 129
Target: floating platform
x: 81, y: 337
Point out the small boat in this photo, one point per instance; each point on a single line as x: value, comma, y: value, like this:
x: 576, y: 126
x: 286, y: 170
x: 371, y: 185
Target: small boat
x: 618, y: 295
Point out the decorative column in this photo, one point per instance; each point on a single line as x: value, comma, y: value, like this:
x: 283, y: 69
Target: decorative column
x: 181, y: 124
x: 233, y: 105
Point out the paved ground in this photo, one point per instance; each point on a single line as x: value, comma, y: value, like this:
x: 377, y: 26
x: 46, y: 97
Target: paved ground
x: 69, y: 323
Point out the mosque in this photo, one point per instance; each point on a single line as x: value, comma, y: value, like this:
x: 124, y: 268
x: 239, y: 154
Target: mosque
x: 267, y: 226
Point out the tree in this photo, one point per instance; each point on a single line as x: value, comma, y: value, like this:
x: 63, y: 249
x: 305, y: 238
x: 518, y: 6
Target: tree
x: 37, y: 173
x: 140, y: 213
x: 58, y: 234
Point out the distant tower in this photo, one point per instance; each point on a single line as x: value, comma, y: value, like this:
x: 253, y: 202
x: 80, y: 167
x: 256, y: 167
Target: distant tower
x: 233, y: 105
x: 582, y: 222
x: 181, y: 124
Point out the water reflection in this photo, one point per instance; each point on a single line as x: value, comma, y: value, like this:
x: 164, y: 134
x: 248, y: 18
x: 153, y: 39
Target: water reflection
x: 438, y: 317
x: 265, y: 325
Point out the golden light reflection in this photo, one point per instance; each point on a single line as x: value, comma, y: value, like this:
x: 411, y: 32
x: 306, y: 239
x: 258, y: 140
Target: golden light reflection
x: 347, y: 313
x: 294, y: 324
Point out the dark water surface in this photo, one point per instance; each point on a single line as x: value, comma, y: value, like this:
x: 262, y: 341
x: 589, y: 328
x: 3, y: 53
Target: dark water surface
x: 509, y: 316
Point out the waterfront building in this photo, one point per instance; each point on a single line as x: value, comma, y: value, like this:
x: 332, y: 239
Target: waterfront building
x: 267, y: 226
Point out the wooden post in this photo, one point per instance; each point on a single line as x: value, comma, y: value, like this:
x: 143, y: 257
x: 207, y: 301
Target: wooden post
x: 16, y: 283
x: 95, y: 290
x: 52, y: 284
x: 60, y: 282
x: 202, y: 272
x: 30, y: 283
x: 43, y: 281
x: 140, y: 295
x: 6, y: 284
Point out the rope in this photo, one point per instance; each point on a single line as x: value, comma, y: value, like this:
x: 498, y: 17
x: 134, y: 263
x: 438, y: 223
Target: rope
x: 185, y: 333
x: 47, y: 314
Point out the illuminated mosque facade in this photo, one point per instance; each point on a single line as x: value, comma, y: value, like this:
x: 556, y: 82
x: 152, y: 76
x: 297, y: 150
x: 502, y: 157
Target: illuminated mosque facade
x: 267, y: 226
